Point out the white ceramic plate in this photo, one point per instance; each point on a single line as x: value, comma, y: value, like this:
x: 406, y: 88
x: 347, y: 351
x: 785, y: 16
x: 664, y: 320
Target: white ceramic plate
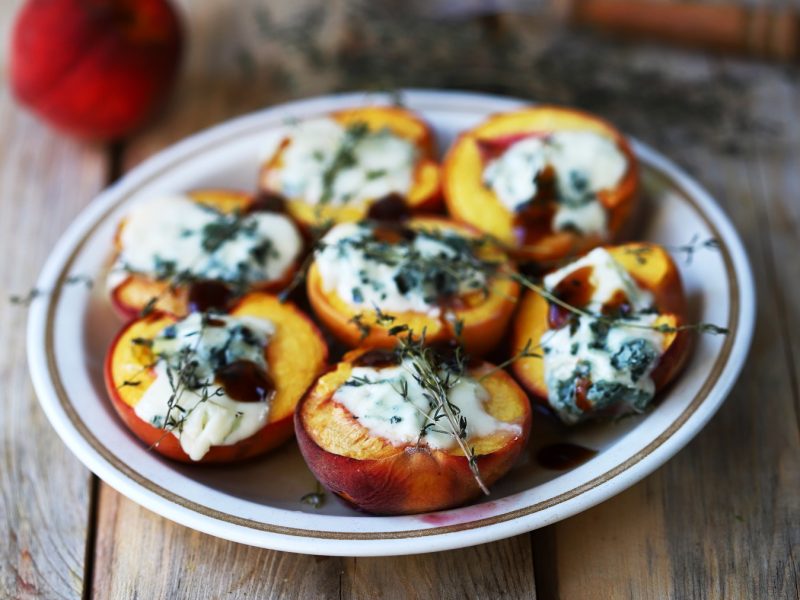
x: 258, y: 503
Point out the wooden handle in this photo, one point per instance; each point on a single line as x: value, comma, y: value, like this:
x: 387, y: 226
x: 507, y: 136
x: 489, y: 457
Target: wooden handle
x: 760, y: 32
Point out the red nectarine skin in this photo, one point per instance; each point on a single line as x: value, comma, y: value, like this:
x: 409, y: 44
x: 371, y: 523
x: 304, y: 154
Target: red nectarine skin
x: 375, y: 476
x: 95, y: 68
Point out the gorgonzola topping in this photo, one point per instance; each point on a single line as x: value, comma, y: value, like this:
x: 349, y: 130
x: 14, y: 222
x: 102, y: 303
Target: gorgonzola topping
x: 185, y: 400
x: 584, y: 164
x: 375, y: 398
x: 326, y: 162
x: 591, y: 365
x: 173, y: 235
x: 404, y: 275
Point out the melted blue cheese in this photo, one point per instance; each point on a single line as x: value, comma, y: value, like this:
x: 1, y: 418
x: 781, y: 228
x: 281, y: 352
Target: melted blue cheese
x: 327, y: 162
x: 584, y: 162
x: 608, y: 276
x: 198, y: 411
x: 374, y: 397
x: 617, y: 359
x: 363, y: 281
x: 174, y: 234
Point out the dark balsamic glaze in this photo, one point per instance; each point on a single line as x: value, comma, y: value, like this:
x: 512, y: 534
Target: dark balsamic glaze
x: 208, y: 295
x: 245, y: 381
x: 377, y: 358
x: 576, y: 289
x: 618, y: 306
x: 563, y: 455
x: 445, y: 352
x: 393, y: 233
x: 267, y: 201
x: 534, y: 220
x: 391, y: 208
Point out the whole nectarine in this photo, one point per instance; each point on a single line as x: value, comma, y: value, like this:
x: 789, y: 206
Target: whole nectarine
x: 95, y: 68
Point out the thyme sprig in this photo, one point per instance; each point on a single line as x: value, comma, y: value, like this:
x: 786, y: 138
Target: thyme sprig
x: 436, y: 378
x: 344, y: 158
x: 32, y: 294
x: 688, y: 250
x: 527, y: 351
x: 445, y: 274
x: 612, y: 321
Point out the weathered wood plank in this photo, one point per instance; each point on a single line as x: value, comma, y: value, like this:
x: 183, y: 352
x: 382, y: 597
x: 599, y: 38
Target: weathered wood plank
x: 721, y: 519
x: 501, y: 569
x: 139, y: 554
x: 45, y: 180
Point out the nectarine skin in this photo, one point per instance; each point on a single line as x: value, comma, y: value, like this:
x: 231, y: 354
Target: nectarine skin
x: 410, y: 479
x: 95, y: 68
x: 296, y: 354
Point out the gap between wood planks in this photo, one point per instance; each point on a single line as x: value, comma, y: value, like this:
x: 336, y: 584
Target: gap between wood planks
x: 116, y: 152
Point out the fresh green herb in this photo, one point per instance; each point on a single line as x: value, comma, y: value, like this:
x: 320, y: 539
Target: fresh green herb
x: 437, y: 376
x: 34, y: 293
x: 436, y: 275
x: 688, y: 250
x: 363, y: 328
x: 344, y: 158
x: 376, y: 174
x: 527, y: 351
x: 225, y: 228
x: 611, y: 321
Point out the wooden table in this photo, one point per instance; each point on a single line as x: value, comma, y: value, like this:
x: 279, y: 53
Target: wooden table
x: 722, y: 519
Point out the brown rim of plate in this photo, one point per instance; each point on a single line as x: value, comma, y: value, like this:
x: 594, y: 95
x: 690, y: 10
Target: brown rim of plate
x: 601, y: 479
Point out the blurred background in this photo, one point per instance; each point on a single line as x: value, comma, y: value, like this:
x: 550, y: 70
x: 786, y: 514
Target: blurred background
x: 266, y: 52
x: 635, y: 62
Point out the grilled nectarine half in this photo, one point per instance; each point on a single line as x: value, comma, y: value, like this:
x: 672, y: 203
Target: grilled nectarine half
x: 548, y: 182
x: 386, y: 476
x: 294, y: 356
x: 268, y: 263
x: 538, y: 323
x: 476, y: 317
x: 343, y: 164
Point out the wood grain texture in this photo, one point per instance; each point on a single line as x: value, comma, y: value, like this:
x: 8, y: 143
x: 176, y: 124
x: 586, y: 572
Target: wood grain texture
x: 141, y: 555
x: 722, y: 519
x: 501, y: 569
x: 44, y: 491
